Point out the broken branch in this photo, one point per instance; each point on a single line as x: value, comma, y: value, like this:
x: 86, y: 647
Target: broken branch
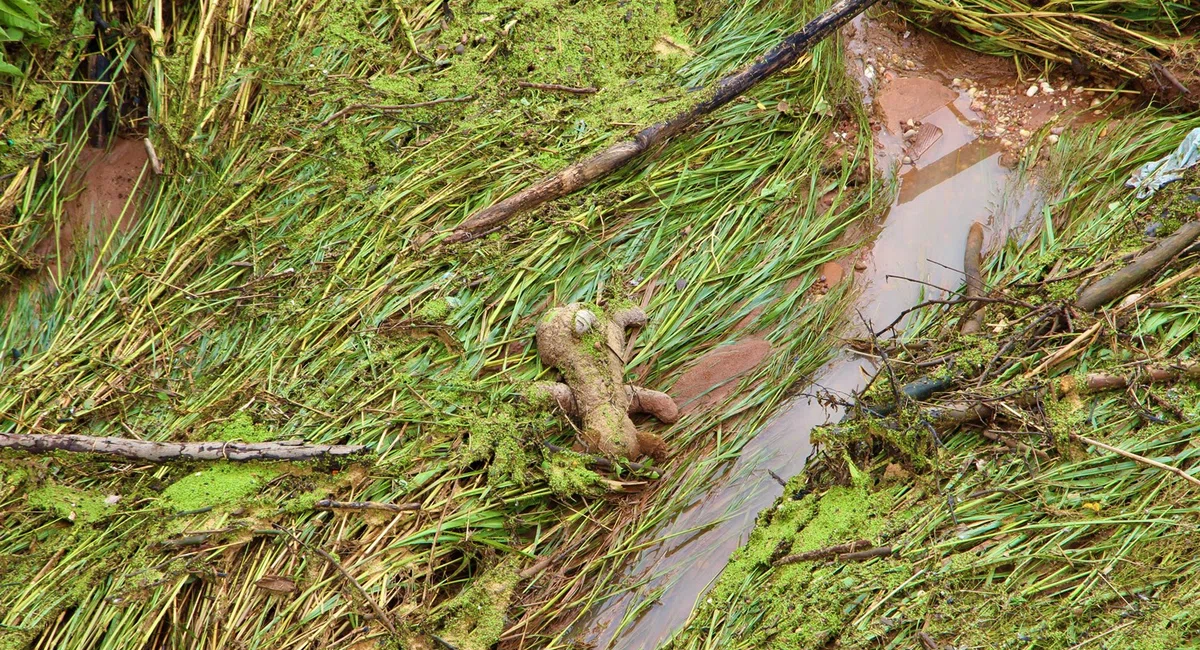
x: 604, y: 163
x: 1141, y: 269
x: 1101, y: 381
x: 820, y: 553
x: 159, y: 452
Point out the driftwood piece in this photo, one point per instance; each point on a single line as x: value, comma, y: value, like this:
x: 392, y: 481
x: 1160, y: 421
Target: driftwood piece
x: 160, y: 452
x: 821, y: 553
x: 1101, y: 381
x: 585, y: 346
x: 641, y: 400
x: 1141, y: 269
x: 972, y: 268
x: 600, y: 165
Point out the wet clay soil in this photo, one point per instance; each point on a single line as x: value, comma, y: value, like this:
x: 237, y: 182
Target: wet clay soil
x: 105, y: 181
x: 960, y: 177
x: 713, y: 377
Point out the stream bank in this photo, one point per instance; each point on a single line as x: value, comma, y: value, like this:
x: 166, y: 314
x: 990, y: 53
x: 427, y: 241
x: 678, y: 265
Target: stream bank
x: 1029, y: 506
x: 960, y: 178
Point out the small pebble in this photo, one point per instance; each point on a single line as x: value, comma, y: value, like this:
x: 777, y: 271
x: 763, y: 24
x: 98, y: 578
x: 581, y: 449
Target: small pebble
x: 907, y: 160
x: 1130, y: 299
x: 1058, y: 130
x: 1033, y: 90
x: 1194, y: 198
x: 911, y: 123
x: 680, y: 284
x: 910, y: 134
x: 1095, y: 102
x: 1052, y: 139
x: 1152, y: 229
x: 1025, y: 133
x: 860, y: 266
x: 459, y: 49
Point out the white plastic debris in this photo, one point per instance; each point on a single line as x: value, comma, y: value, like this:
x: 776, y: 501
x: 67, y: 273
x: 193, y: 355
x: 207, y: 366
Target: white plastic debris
x: 1153, y: 175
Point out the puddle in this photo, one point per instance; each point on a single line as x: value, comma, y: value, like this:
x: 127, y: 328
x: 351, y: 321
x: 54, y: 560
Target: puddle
x: 957, y: 180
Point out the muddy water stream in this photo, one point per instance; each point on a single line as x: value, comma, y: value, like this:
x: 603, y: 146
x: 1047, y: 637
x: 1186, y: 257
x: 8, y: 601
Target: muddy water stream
x: 956, y: 181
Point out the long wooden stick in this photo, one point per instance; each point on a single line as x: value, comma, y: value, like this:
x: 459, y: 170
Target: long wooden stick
x: 159, y: 452
x: 1116, y: 285
x: 600, y: 165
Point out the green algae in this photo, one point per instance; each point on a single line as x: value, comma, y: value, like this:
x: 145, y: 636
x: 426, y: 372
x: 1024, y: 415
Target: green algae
x: 81, y: 506
x: 569, y: 477
x: 220, y: 484
x: 805, y: 604
x: 242, y: 428
x: 475, y: 618
x: 500, y: 437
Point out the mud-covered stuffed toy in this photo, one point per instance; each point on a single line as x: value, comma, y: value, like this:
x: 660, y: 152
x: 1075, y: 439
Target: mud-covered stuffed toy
x: 586, y: 345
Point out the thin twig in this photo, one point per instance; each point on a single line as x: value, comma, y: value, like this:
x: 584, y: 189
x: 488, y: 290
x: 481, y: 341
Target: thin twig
x: 375, y: 608
x: 329, y: 504
x: 1015, y: 445
x: 954, y: 301
x: 897, y: 395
